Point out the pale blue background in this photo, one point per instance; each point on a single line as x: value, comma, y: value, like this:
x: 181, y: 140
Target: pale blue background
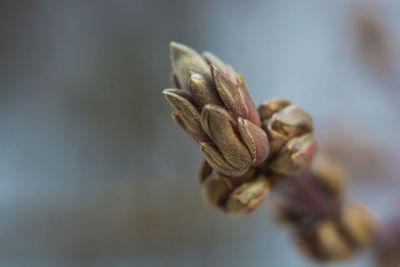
x: 93, y: 172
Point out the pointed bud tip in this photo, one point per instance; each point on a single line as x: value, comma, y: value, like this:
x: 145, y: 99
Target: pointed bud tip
x: 240, y: 79
x: 170, y: 94
x: 166, y: 91
x: 176, y: 47
x: 212, y: 108
x: 178, y: 50
x: 195, y: 77
x: 214, y: 112
x: 214, y: 70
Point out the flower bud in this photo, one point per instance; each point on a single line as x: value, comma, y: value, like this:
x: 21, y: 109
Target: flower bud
x: 295, y: 156
x: 185, y: 60
x: 228, y: 130
x: 358, y: 224
x: 203, y: 91
x: 248, y: 196
x: 324, y: 241
x: 255, y: 140
x: 218, y: 125
x: 270, y: 107
x: 234, y: 195
x: 284, y: 125
x: 235, y: 96
x: 186, y: 116
x: 341, y: 237
x: 211, y: 59
x: 333, y: 244
x: 217, y: 161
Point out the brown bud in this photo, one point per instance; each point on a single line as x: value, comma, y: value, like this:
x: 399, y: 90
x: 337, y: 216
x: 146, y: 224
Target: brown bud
x: 182, y: 101
x: 189, y: 131
x: 218, y: 125
x: 185, y: 60
x: 248, y: 196
x: 203, y: 91
x: 217, y: 161
x: 211, y: 59
x: 255, y: 139
x: 235, y: 96
x: 333, y: 244
x: 358, y: 224
x: 322, y: 241
x: 295, y: 156
x: 251, y: 109
x: 216, y: 190
x: 229, y: 93
x: 270, y: 107
x: 228, y: 130
x: 235, y: 195
x: 286, y: 124
x: 341, y: 237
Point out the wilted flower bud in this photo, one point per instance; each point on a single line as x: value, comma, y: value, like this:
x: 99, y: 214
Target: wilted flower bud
x: 289, y: 130
x: 234, y: 195
x: 213, y: 106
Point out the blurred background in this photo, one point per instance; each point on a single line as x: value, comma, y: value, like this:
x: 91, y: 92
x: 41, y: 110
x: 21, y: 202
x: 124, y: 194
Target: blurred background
x: 93, y: 172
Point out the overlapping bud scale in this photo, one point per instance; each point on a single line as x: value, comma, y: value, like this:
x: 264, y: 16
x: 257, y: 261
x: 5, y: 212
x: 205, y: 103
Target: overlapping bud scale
x: 234, y: 195
x: 290, y: 134
x: 213, y: 106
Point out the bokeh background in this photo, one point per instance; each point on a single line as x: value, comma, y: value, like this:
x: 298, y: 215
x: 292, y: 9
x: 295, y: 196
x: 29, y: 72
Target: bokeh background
x: 93, y: 172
